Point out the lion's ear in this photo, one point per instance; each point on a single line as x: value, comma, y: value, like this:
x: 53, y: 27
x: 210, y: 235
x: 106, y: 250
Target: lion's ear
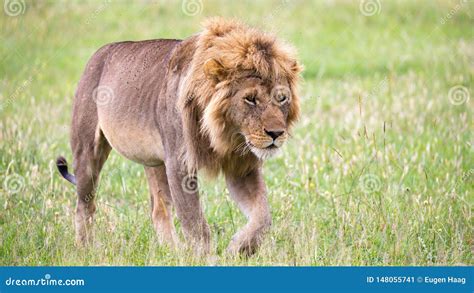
x: 296, y: 67
x: 215, y: 70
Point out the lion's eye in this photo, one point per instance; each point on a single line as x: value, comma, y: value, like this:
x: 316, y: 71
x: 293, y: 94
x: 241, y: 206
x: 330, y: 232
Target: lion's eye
x: 252, y: 100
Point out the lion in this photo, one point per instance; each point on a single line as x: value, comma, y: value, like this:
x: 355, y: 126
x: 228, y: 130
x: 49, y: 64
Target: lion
x: 221, y: 101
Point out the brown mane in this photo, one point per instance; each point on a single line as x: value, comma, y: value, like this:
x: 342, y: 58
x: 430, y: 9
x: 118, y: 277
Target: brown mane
x: 237, y: 49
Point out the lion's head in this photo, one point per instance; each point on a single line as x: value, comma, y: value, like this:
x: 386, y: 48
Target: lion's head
x: 243, y: 84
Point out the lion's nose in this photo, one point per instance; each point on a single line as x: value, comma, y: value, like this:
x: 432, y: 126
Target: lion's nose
x: 274, y: 133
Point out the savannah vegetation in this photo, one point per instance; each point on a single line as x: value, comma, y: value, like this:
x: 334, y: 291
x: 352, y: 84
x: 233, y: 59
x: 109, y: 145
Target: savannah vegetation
x: 379, y: 169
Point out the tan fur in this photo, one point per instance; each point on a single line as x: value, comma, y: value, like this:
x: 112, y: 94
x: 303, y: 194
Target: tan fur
x: 222, y: 100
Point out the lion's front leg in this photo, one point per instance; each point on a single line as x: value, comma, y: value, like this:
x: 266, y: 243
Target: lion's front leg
x: 250, y: 194
x: 184, y: 192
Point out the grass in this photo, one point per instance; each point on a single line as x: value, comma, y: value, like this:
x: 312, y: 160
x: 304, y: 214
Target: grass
x: 379, y: 170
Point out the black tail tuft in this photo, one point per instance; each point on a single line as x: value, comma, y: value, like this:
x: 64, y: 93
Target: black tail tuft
x: 61, y: 163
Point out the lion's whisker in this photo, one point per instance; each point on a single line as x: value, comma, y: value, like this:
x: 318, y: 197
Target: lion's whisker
x: 240, y: 146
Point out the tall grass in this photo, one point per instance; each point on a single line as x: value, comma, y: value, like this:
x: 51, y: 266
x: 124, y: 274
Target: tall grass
x: 379, y: 170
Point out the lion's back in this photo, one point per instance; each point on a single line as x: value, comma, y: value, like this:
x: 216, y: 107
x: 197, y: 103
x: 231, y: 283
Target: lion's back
x: 128, y: 62
x: 137, y: 60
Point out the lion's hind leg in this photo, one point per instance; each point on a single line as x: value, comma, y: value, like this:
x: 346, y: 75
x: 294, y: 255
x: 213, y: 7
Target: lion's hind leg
x: 89, y: 146
x: 89, y: 159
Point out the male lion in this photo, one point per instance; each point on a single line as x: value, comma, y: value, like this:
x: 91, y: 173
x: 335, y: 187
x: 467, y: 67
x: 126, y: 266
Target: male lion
x: 221, y: 100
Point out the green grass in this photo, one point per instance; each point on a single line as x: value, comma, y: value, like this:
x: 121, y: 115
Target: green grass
x: 379, y: 170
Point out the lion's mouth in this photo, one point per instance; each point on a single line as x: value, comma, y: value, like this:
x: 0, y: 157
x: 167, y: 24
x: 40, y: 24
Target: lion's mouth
x: 271, y: 147
x: 263, y: 153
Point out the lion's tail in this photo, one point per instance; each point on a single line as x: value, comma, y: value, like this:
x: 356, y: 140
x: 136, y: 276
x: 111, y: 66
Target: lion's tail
x: 61, y: 163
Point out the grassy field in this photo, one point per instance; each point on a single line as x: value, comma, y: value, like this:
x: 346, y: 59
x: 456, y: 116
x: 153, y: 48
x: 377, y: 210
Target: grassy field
x: 379, y: 171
